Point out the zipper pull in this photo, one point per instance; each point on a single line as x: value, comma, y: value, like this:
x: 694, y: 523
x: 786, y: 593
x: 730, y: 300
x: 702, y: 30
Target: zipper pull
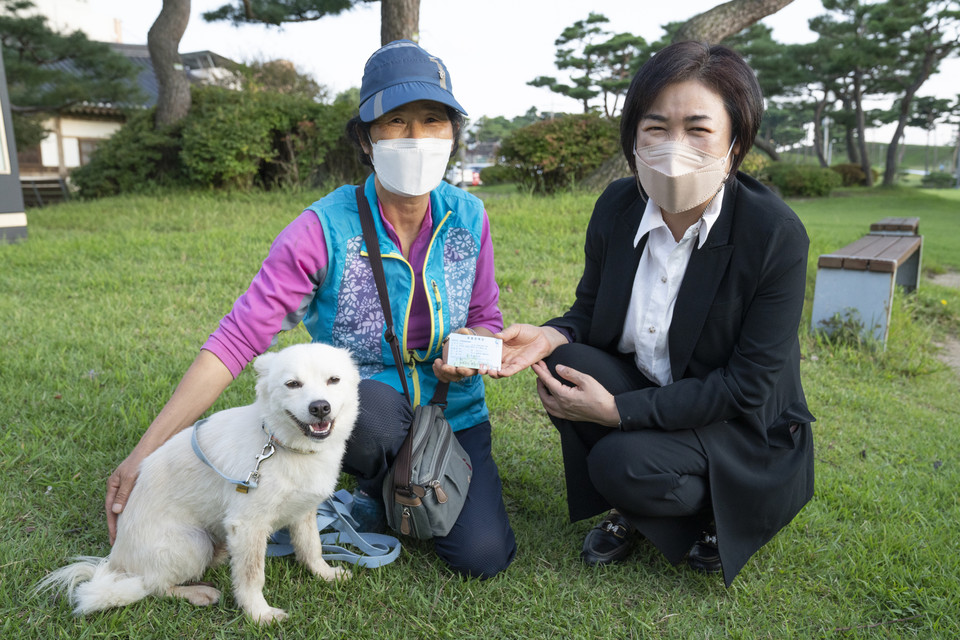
x: 439, y: 492
x: 405, y: 522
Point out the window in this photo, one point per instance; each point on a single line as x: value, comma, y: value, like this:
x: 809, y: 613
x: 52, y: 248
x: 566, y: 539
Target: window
x: 87, y: 147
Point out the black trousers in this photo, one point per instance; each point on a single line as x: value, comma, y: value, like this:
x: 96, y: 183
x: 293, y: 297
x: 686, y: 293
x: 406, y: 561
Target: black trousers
x: 647, y: 473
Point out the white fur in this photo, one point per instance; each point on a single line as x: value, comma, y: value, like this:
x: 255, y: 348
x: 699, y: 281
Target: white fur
x: 181, y: 516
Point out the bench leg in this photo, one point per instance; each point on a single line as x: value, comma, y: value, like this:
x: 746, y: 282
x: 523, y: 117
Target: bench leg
x: 840, y: 291
x: 908, y: 273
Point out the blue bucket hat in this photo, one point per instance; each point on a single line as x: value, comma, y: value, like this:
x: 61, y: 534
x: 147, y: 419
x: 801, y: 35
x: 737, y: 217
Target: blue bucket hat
x: 403, y: 72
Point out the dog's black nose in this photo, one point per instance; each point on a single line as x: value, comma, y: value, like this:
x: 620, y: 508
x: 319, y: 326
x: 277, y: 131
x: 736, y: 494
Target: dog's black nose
x: 320, y: 408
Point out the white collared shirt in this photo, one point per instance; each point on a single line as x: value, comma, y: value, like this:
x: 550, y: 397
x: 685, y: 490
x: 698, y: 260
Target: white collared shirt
x: 655, y: 287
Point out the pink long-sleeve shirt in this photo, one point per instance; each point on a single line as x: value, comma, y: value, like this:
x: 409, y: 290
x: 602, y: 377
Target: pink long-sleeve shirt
x: 280, y: 293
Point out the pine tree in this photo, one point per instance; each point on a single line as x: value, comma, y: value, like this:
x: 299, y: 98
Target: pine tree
x: 48, y: 72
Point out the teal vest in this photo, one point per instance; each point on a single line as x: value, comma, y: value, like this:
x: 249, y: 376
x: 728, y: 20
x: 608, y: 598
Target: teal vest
x: 346, y: 312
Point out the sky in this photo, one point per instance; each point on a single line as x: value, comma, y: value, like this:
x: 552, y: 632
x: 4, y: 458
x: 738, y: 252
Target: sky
x: 492, y: 48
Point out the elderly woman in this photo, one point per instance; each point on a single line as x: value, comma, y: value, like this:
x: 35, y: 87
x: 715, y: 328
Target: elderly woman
x: 440, y: 274
x: 674, y: 378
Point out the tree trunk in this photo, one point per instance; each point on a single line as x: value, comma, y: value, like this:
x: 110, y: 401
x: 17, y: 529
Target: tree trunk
x: 818, y: 132
x: 163, y: 42
x: 861, y: 127
x: 930, y: 61
x: 767, y: 148
x: 893, y: 160
x: 727, y: 19
x: 612, y: 169
x: 853, y: 153
x: 956, y: 157
x: 399, y: 20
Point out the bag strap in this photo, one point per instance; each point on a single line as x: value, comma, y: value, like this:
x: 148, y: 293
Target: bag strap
x: 376, y: 265
x: 402, y: 463
x: 380, y: 278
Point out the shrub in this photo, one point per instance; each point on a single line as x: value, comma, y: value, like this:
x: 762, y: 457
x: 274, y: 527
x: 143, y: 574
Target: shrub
x: 938, y: 180
x: 241, y: 138
x: 803, y: 180
x: 498, y: 174
x: 555, y: 154
x: 226, y: 137
x: 755, y: 164
x: 853, y: 175
x: 234, y: 139
x: 339, y: 161
x: 136, y: 158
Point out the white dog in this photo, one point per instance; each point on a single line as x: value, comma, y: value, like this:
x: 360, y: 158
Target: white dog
x: 282, y: 458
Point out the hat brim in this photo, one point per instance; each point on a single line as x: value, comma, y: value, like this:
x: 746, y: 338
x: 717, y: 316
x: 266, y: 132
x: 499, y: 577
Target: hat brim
x: 398, y: 95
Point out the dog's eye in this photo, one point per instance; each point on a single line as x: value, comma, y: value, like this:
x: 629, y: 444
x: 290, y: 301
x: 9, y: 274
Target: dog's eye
x: 333, y: 380
x: 293, y: 384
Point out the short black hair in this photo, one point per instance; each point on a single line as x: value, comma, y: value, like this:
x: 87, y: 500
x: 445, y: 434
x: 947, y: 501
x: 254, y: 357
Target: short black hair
x: 358, y: 130
x: 717, y: 67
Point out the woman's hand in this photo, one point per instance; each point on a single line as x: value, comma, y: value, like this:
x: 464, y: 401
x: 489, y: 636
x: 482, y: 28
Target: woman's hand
x: 525, y: 344
x: 449, y: 373
x: 586, y: 401
x: 119, y: 486
x: 200, y: 386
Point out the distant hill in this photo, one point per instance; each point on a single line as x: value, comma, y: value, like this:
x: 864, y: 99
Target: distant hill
x: 915, y: 157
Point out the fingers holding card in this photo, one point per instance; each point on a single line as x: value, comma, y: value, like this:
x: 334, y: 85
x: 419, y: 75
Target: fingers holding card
x: 474, y: 352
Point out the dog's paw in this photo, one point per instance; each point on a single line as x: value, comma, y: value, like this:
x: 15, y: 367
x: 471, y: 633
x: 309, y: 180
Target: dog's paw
x: 269, y: 616
x: 197, y: 594
x: 335, y: 574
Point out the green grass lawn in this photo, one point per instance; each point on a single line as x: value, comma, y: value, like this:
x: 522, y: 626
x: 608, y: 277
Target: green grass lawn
x: 107, y: 302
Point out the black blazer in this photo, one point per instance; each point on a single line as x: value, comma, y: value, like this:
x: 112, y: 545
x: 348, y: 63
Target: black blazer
x: 734, y: 354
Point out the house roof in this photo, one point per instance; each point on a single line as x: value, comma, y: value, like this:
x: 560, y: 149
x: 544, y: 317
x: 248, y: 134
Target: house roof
x: 194, y: 63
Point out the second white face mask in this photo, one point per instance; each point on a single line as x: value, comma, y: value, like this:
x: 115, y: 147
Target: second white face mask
x: 411, y: 166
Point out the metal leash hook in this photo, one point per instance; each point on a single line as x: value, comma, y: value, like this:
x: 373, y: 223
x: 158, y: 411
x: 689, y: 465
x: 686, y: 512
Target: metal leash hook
x: 254, y: 478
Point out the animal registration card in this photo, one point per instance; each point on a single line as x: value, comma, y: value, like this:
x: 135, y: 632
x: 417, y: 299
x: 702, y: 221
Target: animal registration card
x: 474, y: 351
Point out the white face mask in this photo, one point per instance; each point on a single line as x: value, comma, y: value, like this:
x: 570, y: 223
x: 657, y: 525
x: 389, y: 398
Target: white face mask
x: 678, y: 176
x: 411, y: 166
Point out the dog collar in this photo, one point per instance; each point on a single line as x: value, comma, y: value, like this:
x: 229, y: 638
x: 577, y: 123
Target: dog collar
x: 272, y: 439
x: 253, y: 478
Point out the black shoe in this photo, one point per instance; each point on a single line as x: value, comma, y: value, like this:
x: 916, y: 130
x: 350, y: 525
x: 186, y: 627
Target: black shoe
x: 609, y: 541
x: 704, y: 556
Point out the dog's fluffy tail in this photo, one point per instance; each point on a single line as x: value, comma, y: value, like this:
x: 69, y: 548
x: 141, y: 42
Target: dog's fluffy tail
x: 92, y: 585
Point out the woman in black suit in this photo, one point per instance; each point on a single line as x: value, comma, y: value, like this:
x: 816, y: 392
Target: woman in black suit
x: 674, y: 378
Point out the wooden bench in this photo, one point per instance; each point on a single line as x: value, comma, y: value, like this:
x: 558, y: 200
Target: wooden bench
x: 896, y: 227
x: 862, y: 276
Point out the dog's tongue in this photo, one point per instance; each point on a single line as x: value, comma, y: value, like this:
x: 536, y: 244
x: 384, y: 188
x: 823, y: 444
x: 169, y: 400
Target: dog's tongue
x: 321, y: 428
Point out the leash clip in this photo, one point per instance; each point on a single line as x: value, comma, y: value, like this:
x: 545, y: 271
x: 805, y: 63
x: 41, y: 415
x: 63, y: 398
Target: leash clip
x: 253, y: 480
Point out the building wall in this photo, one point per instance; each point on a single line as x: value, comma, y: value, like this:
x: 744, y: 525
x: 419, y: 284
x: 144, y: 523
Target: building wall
x: 13, y: 219
x: 68, y: 145
x: 6, y: 158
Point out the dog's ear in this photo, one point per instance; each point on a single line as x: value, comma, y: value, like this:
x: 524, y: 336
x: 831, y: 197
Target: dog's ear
x: 262, y: 364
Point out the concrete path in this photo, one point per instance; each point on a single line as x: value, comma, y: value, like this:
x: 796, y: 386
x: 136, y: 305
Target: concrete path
x: 950, y: 353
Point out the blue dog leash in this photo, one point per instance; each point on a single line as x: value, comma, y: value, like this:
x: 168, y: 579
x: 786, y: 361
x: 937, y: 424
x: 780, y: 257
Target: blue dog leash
x: 253, y: 479
x: 377, y: 549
